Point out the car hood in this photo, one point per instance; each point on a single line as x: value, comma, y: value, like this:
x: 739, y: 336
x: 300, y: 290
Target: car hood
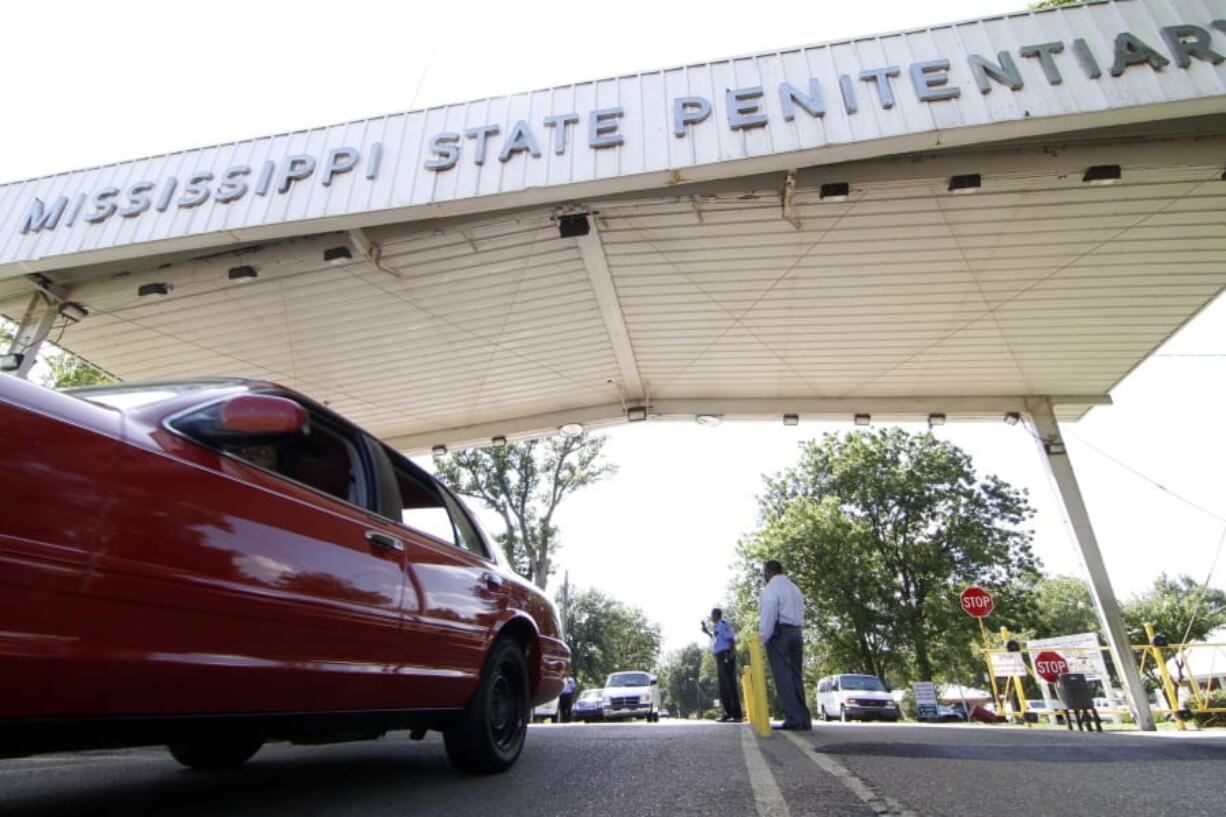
x: 623, y: 692
x: 867, y: 694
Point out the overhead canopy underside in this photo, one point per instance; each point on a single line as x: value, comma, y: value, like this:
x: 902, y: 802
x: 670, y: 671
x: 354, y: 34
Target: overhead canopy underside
x: 749, y: 297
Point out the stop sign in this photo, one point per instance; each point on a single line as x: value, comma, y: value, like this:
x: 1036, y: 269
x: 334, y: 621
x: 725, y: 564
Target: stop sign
x: 977, y: 602
x: 1048, y: 666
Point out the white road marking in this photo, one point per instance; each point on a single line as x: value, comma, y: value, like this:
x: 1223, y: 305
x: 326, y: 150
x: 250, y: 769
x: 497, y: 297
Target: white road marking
x: 766, y: 795
x: 882, y: 805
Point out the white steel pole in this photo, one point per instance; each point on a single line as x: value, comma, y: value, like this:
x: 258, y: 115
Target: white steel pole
x: 34, y: 328
x: 1060, y: 468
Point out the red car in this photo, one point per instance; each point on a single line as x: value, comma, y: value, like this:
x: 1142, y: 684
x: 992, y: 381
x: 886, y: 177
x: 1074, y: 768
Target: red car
x: 217, y: 563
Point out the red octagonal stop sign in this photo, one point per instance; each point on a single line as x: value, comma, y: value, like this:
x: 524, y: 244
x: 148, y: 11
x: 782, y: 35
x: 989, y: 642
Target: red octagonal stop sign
x: 977, y: 602
x: 1049, y: 665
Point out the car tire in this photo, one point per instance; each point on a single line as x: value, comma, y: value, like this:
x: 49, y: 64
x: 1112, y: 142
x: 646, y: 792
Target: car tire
x: 488, y: 737
x: 821, y: 711
x: 215, y: 754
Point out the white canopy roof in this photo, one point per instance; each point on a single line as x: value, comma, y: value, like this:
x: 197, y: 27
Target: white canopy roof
x: 822, y: 265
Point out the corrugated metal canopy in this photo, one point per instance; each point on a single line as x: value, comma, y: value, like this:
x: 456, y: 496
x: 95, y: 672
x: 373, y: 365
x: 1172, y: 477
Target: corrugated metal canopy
x: 748, y: 297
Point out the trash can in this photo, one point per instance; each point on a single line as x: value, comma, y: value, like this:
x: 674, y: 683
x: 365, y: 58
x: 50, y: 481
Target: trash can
x: 1074, y: 691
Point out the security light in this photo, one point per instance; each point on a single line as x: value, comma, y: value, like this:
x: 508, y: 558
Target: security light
x: 835, y: 191
x: 969, y: 183
x: 337, y: 255
x: 11, y: 362
x: 1055, y: 447
x: 791, y: 419
x: 636, y: 414
x: 573, y: 226
x: 1102, y: 174
x: 571, y: 429
x: 498, y: 441
x: 73, y: 311
x: 153, y: 289
x: 708, y: 419
x: 1013, y: 418
x: 242, y: 274
x: 863, y: 419
x: 439, y: 450
x: 936, y: 419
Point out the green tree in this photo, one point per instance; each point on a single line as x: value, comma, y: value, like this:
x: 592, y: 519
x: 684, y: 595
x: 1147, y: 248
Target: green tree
x: 881, y: 531
x: 688, y: 681
x: 1063, y: 606
x: 1178, y: 608
x: 606, y: 635
x: 68, y: 370
x: 525, y: 482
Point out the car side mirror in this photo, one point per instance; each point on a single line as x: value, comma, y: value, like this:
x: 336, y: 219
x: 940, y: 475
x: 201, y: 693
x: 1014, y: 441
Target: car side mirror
x: 247, y: 419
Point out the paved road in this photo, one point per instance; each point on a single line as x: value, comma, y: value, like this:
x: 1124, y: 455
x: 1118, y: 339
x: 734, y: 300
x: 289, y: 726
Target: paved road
x: 674, y: 768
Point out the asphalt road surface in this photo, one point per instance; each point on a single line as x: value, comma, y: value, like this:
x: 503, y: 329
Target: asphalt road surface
x: 676, y: 769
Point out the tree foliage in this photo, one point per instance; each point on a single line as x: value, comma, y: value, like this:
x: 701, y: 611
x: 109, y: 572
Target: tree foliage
x: 689, y: 681
x: 881, y: 531
x: 1063, y: 606
x: 605, y: 636
x: 1178, y: 608
x: 524, y: 483
x: 68, y: 370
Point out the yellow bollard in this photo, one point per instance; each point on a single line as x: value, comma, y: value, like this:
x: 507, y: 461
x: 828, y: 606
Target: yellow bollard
x: 760, y: 716
x: 1017, y: 684
x: 1171, y: 696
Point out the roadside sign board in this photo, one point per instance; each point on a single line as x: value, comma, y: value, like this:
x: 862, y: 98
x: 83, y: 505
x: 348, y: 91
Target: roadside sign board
x: 926, y: 700
x: 1008, y: 665
x: 1081, y: 650
x: 1049, y: 666
x: 977, y: 602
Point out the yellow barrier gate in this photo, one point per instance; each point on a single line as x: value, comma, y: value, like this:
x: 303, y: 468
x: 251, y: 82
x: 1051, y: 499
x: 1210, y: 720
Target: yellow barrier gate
x: 753, y: 684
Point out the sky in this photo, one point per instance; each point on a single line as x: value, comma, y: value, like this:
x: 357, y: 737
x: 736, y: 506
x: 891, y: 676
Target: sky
x: 90, y: 83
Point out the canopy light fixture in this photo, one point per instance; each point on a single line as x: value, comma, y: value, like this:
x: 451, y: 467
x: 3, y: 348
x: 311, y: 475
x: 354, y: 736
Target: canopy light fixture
x: 1055, y: 447
x: 153, y: 289
x: 499, y: 441
x: 708, y: 419
x: 936, y: 419
x: 636, y: 414
x: 835, y: 191
x: 439, y: 450
x: 573, y: 226
x: 1102, y: 174
x: 1013, y: 418
x: 243, y: 273
x: 11, y: 362
x: 73, y: 311
x: 969, y: 183
x: 863, y: 419
x: 571, y: 429
x: 791, y: 419
x: 337, y: 255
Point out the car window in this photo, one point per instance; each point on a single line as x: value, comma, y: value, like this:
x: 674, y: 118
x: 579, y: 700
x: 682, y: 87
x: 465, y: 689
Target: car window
x: 432, y: 510
x: 865, y: 683
x: 326, y: 459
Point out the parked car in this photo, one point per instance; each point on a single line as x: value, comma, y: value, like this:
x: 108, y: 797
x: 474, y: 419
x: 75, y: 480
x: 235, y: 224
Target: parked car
x: 1112, y: 710
x: 632, y: 695
x: 547, y: 711
x: 216, y: 563
x: 855, y: 697
x: 589, y: 706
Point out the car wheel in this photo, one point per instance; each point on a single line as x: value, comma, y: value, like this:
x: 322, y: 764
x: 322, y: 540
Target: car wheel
x: 821, y: 711
x: 489, y: 735
x: 215, y: 754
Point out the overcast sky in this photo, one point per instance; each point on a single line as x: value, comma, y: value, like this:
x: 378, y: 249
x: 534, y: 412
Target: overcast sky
x: 90, y: 83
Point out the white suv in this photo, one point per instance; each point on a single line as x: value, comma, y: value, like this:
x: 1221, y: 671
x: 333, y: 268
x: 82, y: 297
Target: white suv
x: 631, y: 695
x: 855, y: 697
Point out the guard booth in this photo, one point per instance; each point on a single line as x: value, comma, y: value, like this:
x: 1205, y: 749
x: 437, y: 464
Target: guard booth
x: 993, y: 220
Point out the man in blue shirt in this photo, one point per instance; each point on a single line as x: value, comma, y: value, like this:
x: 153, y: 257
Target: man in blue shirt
x: 723, y: 645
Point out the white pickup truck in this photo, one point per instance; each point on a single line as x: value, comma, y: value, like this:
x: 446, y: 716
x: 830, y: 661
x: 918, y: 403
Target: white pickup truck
x: 631, y: 695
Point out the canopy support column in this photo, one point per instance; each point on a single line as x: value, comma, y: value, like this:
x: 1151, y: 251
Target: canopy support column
x: 34, y: 328
x: 1060, y: 468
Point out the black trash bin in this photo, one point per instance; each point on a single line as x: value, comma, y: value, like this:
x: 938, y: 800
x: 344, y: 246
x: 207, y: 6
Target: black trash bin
x: 1077, y: 697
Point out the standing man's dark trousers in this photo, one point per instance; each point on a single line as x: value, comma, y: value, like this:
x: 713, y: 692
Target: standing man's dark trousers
x: 729, y: 697
x: 785, y: 652
x: 564, y: 707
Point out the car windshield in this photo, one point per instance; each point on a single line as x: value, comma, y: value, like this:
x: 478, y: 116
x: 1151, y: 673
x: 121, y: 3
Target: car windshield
x: 590, y: 695
x: 136, y: 395
x: 629, y: 679
x: 868, y: 683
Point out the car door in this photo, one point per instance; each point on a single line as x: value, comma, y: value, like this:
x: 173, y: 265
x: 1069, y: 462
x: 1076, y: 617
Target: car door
x: 456, y: 597
x: 245, y: 579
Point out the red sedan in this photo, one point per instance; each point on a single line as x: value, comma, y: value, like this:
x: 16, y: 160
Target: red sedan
x: 214, y: 564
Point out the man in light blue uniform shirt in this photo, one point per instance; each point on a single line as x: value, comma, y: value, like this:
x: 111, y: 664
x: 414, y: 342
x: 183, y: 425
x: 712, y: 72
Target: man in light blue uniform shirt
x: 724, y: 648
